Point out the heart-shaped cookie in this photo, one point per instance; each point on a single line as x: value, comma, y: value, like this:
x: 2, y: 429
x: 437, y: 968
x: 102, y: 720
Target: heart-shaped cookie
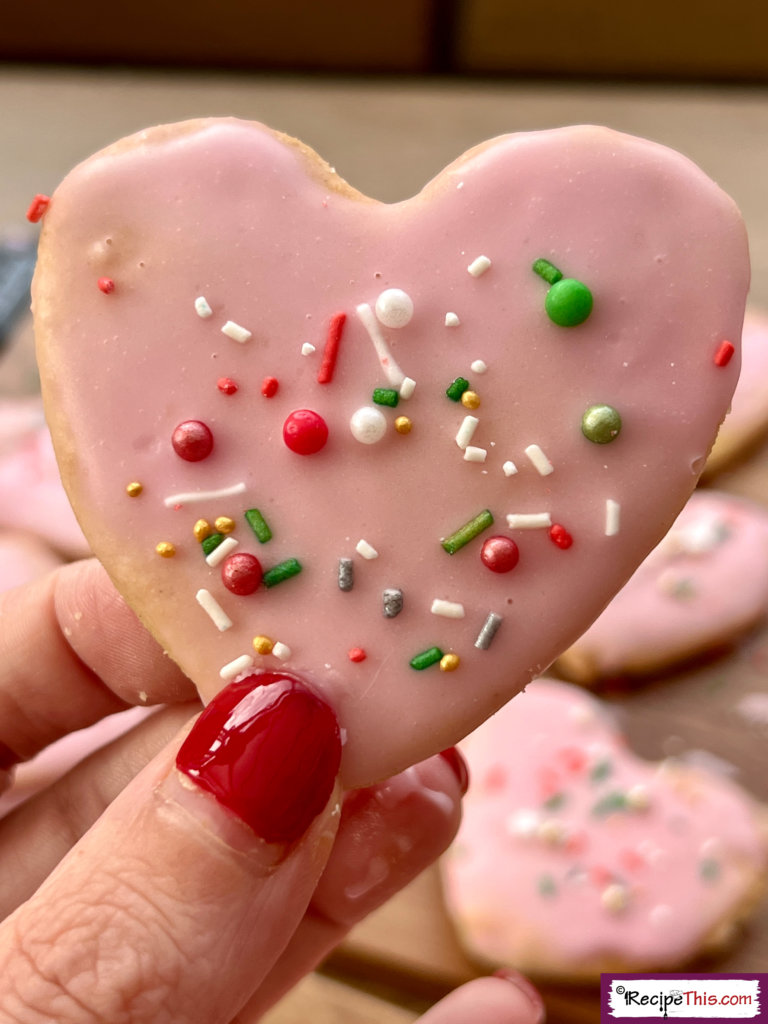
x: 408, y: 451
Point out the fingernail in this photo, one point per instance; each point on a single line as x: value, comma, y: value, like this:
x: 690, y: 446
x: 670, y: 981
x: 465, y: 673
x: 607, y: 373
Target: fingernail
x: 268, y: 749
x: 459, y: 766
x: 525, y: 987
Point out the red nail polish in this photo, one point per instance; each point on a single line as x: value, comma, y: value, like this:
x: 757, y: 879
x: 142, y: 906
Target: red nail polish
x: 459, y: 766
x: 268, y: 750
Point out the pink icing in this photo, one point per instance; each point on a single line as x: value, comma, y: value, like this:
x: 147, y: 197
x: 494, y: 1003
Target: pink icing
x: 279, y: 246
x: 575, y: 851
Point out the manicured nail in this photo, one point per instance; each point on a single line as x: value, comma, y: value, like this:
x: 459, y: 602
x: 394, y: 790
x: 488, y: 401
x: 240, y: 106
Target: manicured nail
x: 459, y: 766
x: 525, y: 987
x: 268, y: 749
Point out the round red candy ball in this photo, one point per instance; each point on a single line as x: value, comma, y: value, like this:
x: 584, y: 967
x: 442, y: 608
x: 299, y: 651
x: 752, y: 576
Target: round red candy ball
x: 499, y: 554
x: 241, y: 573
x: 305, y: 432
x: 192, y: 441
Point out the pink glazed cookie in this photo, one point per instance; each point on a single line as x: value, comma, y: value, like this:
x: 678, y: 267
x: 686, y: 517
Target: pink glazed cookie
x: 701, y: 588
x: 408, y: 451
x: 576, y: 857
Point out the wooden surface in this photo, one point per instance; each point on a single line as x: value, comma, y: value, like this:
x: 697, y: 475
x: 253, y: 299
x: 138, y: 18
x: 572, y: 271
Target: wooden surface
x: 388, y: 139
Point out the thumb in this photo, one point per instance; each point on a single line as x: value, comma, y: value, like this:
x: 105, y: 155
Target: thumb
x: 185, y: 892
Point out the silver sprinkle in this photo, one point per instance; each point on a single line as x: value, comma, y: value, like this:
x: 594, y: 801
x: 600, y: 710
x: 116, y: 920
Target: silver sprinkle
x: 346, y: 574
x: 393, y: 602
x: 488, y: 632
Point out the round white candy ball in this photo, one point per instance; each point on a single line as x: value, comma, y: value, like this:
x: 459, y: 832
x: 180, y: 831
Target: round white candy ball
x: 368, y: 425
x: 394, y: 307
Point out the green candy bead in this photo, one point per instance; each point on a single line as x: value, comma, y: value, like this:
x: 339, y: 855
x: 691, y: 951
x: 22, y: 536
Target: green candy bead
x: 601, y: 424
x: 568, y: 302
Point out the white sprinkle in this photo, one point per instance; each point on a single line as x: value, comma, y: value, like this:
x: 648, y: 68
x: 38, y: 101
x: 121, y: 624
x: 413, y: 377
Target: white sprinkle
x: 523, y: 823
x: 202, y: 308
x: 209, y: 604
x: 235, y: 331
x: 221, y: 551
x: 366, y: 550
x: 460, y: 185
x: 394, y: 307
x: 479, y: 266
x: 473, y: 454
x: 615, y: 898
x: 638, y: 797
x: 509, y: 468
x: 612, y: 517
x: 449, y: 609
x: 540, y: 461
x: 528, y: 520
x: 407, y: 388
x: 233, y: 668
x: 392, y: 371
x: 281, y: 651
x: 478, y: 366
x: 466, y: 430
x: 186, y: 496
x: 452, y: 320
x: 368, y: 425
x: 660, y: 915
x: 307, y: 349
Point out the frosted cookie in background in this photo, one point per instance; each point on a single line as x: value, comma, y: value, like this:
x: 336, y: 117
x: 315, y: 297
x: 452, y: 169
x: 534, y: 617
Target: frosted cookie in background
x: 576, y: 857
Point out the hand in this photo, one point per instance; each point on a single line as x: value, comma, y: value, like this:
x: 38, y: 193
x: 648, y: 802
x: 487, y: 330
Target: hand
x: 130, y: 893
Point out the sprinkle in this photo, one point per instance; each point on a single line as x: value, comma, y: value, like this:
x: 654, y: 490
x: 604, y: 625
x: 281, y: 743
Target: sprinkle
x: 211, y: 541
x: 184, y: 497
x: 615, y: 898
x: 236, y: 332
x: 386, y: 396
x: 568, y: 302
x: 394, y: 308
x: 467, y: 532
x: 407, y: 388
x: 499, y: 554
x: 612, y: 517
x: 547, y: 886
x: 452, y: 320
x: 356, y: 654
x: 106, y: 285
x: 457, y: 388
x: 479, y: 266
x: 37, y: 208
x: 308, y: 349
x: 466, y: 430
x: 724, y: 354
x: 134, y: 489
x: 221, y: 551
x: 392, y: 601
x: 478, y: 366
x: 165, y: 549
x: 202, y: 307
x: 258, y: 524
x: 202, y: 530
x: 209, y: 604
x: 474, y: 454
x: 560, y: 536
x: 449, y: 609
x: 366, y: 550
x: 263, y: 644
x: 224, y: 524
x: 192, y: 441
x: 305, y: 432
x: 529, y: 520
x: 346, y: 574
x: 709, y: 869
x: 488, y: 632
x: 426, y: 658
x: 509, y: 468
x: 368, y: 425
x: 523, y: 823
x: 241, y: 573
x: 547, y: 270
x: 281, y: 572
x: 226, y: 385
x: 610, y: 804
x: 331, y: 350
x: 449, y: 662
x: 392, y: 371
x: 234, y: 668
x: 470, y: 400
x: 269, y: 387
x: 639, y: 797
x: 281, y: 650
x: 403, y: 425
x: 552, y: 832
x: 539, y: 460
x: 601, y: 424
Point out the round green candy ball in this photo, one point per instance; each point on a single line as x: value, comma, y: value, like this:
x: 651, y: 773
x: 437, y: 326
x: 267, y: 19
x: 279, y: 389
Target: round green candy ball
x: 601, y: 424
x: 568, y: 302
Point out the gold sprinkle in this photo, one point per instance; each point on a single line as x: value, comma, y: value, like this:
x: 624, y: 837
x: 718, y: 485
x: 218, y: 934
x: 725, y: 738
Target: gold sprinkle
x: 224, y: 524
x: 201, y: 530
x: 449, y: 662
x: 134, y: 489
x: 403, y: 425
x: 263, y: 645
x: 165, y: 549
x: 470, y: 400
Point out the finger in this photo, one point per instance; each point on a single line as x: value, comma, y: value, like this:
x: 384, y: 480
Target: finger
x: 72, y: 652
x: 179, y: 900
x: 508, y: 998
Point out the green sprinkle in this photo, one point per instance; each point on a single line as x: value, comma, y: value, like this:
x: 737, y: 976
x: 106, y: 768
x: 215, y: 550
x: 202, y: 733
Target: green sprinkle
x: 554, y: 802
x: 457, y: 388
x: 467, y: 532
x: 258, y: 524
x: 426, y: 658
x: 280, y: 572
x: 610, y: 804
x: 211, y: 542
x: 709, y: 869
x: 547, y: 886
x: 547, y: 270
x: 568, y: 303
x: 601, y: 771
x: 601, y: 424
x: 386, y: 396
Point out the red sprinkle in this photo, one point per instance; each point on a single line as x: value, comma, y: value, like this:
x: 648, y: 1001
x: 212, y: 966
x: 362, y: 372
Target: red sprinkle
x: 331, y: 352
x: 356, y: 654
x: 560, y: 536
x: 631, y: 860
x: 495, y: 780
x: 192, y: 441
x: 724, y: 353
x: 574, y: 759
x: 549, y: 781
x: 38, y: 206
x: 305, y: 432
x: 226, y: 385
x: 241, y: 573
x: 499, y: 554
x: 269, y: 387
x: 106, y: 285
